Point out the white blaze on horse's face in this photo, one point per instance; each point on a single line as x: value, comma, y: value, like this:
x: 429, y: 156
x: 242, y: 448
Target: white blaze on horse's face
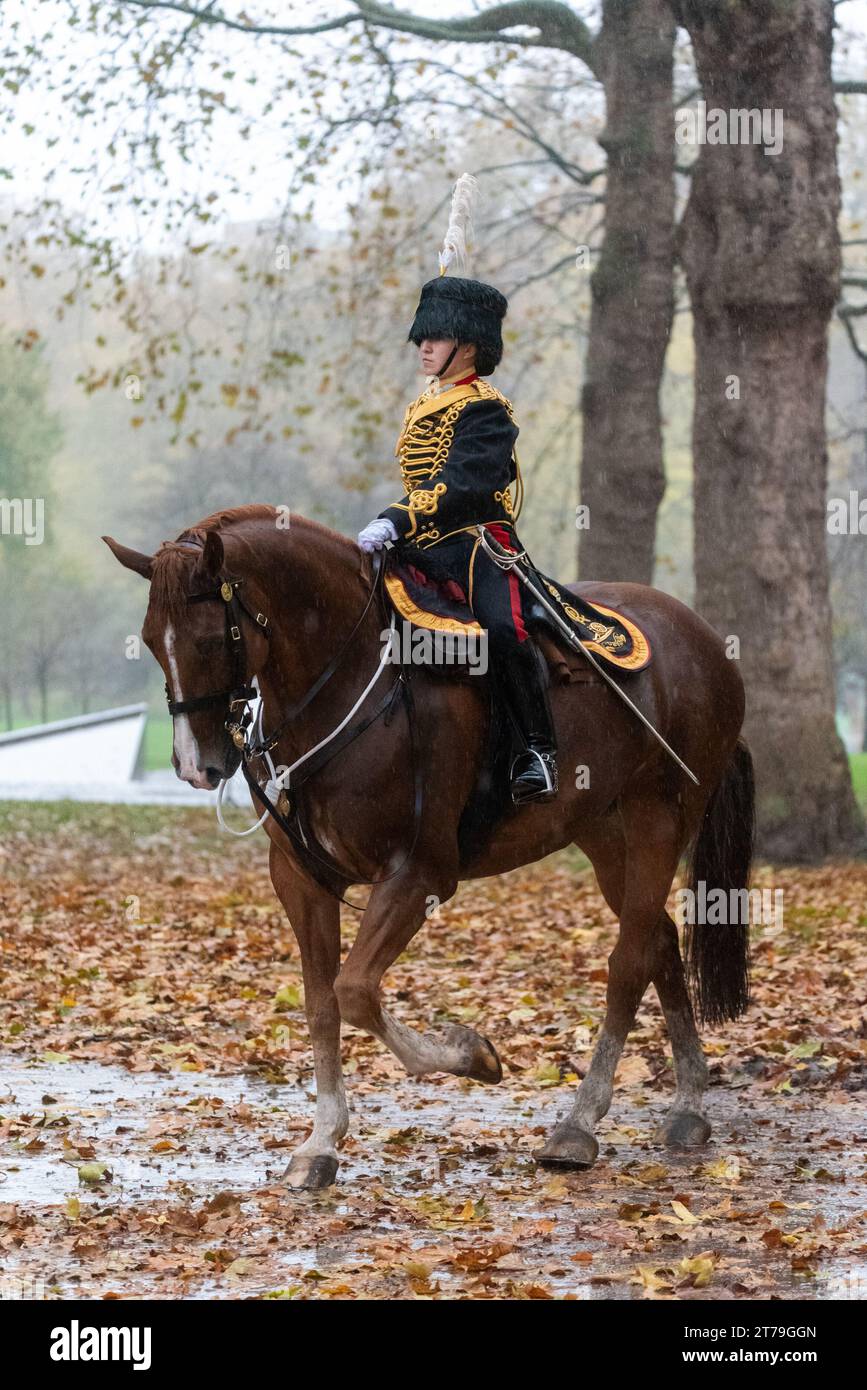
x: 186, y: 749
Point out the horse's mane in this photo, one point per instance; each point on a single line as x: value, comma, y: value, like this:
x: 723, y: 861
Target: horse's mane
x: 171, y: 567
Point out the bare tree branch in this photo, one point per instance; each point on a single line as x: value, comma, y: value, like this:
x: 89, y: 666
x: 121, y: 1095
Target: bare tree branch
x: 845, y: 313
x: 503, y: 112
x: 557, y: 25
x: 207, y: 16
x: 543, y: 274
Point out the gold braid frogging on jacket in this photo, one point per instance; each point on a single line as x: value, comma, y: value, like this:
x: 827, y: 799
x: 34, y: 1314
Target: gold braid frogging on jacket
x: 423, y: 449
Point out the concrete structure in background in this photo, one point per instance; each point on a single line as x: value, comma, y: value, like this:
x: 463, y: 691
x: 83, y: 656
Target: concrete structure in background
x: 102, y: 747
x: 94, y: 757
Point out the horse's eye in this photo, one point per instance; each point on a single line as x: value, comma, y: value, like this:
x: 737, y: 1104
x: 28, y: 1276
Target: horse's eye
x: 209, y: 646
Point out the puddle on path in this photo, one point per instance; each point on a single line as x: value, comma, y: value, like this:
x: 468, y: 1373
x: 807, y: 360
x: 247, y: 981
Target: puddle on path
x: 417, y: 1141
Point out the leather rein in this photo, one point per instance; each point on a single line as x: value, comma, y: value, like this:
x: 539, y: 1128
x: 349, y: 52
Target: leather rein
x: 323, y: 867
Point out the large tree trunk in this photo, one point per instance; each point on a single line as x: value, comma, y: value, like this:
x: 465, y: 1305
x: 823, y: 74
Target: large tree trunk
x: 761, y: 249
x: 622, y: 474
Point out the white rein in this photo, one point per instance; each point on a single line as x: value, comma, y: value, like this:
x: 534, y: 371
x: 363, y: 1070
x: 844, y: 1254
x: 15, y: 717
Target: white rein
x: 278, y: 781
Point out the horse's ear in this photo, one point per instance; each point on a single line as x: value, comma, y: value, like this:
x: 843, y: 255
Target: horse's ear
x: 212, y: 557
x: 131, y: 559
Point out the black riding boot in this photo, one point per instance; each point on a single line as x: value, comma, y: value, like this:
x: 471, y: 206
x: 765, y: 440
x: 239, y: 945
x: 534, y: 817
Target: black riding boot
x: 523, y: 680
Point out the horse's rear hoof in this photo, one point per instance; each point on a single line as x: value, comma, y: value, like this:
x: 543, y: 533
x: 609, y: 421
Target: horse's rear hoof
x: 311, y: 1174
x: 684, y: 1130
x: 568, y: 1147
x: 482, y: 1062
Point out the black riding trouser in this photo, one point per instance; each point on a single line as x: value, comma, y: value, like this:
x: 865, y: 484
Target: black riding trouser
x: 496, y: 597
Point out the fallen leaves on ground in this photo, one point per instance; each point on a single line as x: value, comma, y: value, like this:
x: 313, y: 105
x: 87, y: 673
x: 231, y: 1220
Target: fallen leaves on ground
x: 137, y: 945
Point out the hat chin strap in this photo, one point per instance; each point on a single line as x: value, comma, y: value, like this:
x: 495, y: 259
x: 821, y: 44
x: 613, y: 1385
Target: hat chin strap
x: 448, y: 362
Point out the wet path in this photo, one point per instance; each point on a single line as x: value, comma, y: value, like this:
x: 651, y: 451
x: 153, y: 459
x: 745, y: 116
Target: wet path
x: 436, y: 1195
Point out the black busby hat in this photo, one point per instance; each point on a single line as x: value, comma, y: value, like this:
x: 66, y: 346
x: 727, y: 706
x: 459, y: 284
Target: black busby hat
x: 466, y: 310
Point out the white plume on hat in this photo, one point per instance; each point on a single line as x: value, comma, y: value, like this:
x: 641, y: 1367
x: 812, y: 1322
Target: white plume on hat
x: 460, y: 228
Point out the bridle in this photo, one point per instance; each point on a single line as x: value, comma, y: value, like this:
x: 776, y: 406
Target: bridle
x: 240, y: 693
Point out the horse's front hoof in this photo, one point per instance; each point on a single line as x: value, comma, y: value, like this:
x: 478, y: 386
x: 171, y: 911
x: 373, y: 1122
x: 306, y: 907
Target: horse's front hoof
x: 479, y: 1060
x: 568, y: 1147
x: 311, y: 1174
x: 684, y: 1129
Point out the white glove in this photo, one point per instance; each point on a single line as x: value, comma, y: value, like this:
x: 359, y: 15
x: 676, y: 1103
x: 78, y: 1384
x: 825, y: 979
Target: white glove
x: 376, y: 533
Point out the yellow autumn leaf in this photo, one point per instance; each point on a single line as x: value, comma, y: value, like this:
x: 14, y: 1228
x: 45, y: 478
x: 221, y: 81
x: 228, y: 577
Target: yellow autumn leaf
x: 94, y: 1173
x: 724, y: 1170
x: 652, y: 1172
x: 699, y: 1268
x: 548, y: 1074
x: 556, y: 1189
x: 684, y: 1214
x: 287, y: 997
x: 653, y: 1277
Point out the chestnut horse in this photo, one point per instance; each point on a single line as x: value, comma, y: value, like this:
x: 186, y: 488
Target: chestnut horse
x: 636, y: 818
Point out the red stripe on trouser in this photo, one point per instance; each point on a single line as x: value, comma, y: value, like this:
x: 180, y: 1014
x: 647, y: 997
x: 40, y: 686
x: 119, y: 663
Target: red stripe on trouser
x: 500, y: 534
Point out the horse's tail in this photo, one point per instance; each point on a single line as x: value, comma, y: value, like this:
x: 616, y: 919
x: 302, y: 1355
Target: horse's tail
x: 717, y: 957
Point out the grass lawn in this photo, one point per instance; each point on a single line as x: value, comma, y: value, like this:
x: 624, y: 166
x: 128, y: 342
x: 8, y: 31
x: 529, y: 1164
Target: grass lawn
x: 858, y: 766
x: 157, y: 743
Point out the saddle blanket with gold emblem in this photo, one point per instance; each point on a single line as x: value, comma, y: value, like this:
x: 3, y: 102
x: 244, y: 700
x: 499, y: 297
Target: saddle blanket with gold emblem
x: 614, y: 639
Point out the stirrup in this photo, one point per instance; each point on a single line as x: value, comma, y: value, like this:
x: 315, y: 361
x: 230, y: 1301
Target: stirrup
x: 540, y: 774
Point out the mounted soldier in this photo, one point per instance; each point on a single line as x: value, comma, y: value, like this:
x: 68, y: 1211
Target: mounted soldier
x: 457, y: 461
